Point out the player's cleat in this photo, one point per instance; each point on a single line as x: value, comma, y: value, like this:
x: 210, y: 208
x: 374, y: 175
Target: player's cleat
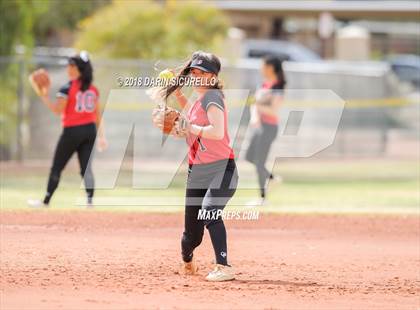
x: 221, y: 273
x: 276, y: 178
x: 256, y: 202
x: 36, y: 203
x: 189, y: 268
x: 89, y: 204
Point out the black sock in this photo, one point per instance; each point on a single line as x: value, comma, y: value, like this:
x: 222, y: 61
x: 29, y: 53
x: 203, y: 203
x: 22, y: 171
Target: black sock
x: 188, y: 258
x: 52, y: 185
x: 218, y: 239
x: 47, y: 198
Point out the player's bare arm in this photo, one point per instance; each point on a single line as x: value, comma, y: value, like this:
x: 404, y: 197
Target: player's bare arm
x: 272, y: 108
x: 266, y: 110
x: 180, y: 97
x: 215, y: 130
x: 100, y: 125
x: 56, y: 107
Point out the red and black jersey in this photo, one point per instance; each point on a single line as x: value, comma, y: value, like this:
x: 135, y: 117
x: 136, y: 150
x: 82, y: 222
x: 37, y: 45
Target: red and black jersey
x: 81, y: 105
x: 202, y: 150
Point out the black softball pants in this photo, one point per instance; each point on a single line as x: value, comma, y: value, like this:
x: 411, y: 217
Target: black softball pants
x: 209, y: 188
x: 76, y: 139
x: 258, y: 150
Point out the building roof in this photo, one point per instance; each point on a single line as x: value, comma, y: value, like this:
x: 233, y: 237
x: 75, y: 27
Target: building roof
x: 344, y: 9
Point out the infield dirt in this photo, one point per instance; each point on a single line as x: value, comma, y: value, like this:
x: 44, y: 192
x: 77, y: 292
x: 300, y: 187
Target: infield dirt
x: 104, y: 260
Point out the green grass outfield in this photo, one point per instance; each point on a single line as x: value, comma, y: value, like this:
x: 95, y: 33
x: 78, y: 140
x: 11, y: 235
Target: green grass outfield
x: 310, y: 186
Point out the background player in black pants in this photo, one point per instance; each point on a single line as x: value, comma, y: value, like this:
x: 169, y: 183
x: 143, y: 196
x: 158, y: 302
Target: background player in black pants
x: 77, y: 102
x: 212, y: 174
x: 264, y: 118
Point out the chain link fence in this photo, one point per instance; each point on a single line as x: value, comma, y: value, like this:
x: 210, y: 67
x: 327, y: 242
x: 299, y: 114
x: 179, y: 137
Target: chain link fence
x: 377, y: 105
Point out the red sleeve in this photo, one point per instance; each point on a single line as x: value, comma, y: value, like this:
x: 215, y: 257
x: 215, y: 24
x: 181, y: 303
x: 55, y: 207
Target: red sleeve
x: 96, y: 91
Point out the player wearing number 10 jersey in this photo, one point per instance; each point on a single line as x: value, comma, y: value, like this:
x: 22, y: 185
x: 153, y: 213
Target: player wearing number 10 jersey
x: 77, y: 102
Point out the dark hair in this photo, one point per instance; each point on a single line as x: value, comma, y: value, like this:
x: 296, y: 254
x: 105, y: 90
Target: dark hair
x: 185, y: 71
x: 277, y: 65
x: 85, y: 68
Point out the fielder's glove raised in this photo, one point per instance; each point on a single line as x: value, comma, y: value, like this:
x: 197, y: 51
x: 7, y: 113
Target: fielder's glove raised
x: 170, y: 121
x: 40, y: 82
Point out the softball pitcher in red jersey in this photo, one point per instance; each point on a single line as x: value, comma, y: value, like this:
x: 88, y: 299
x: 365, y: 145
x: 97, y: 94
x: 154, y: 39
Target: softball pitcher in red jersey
x: 78, y: 103
x: 212, y: 174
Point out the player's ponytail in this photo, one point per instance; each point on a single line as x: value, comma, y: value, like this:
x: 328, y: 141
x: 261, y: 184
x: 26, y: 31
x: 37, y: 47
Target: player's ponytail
x: 85, y: 68
x: 212, y: 61
x: 168, y: 90
x: 277, y: 65
x: 86, y: 77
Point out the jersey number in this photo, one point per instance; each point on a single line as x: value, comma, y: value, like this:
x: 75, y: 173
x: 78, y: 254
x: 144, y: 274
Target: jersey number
x: 85, y: 101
